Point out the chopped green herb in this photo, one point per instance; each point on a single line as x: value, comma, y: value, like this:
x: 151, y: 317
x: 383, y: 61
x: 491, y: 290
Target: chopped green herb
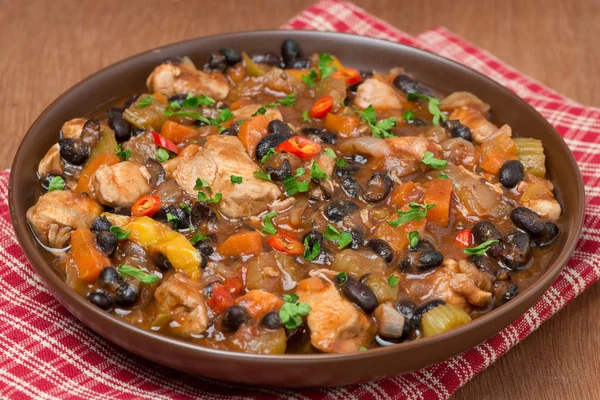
x: 432, y: 162
x: 162, y: 154
x: 240, y: 122
x: 201, y: 183
x: 481, y: 249
x: 434, y: 106
x: 362, y: 348
x: 330, y: 153
x: 260, y: 174
x: 317, y: 172
x: 291, y: 312
x: 86, y: 176
x: 310, y: 78
x: 235, y: 179
x: 343, y: 239
x: 393, y: 280
x: 145, y: 102
x: 443, y: 176
x: 340, y: 162
x: 311, y: 252
x: 173, y: 219
x: 123, y: 154
x: 288, y: 100
x: 268, y: 154
x: 268, y: 226
x: 193, y: 102
x: 262, y: 110
x: 408, y: 115
x: 413, y: 239
x: 224, y: 115
x: 56, y: 183
x: 202, y: 197
x: 137, y: 273
x: 324, y: 66
x: 175, y: 105
x: 306, y: 117
x: 119, y: 232
x: 379, y: 129
x: 185, y: 207
x: 416, y: 212
x: 189, y: 114
x: 198, y: 237
x: 293, y: 186
x: 341, y: 278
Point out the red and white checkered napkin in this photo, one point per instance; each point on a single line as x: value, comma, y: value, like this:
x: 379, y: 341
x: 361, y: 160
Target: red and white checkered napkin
x: 46, y: 353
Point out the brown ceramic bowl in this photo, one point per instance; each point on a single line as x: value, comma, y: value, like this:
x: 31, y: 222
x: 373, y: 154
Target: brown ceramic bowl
x: 128, y: 76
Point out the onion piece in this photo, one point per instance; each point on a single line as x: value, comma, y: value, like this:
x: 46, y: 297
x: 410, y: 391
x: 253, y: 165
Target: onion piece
x: 390, y: 323
x: 367, y: 145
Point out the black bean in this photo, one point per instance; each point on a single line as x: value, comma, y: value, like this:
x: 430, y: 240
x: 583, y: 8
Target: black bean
x: 361, y: 295
x: 338, y: 210
x: 325, y: 257
x: 281, y: 128
x: 234, y: 317
x: 382, y: 249
x: 423, y: 245
x: 410, y: 262
x: 457, y: 130
x: 516, y: 251
x: 406, y: 308
x: 161, y: 262
x: 109, y: 279
x: 90, y: 133
x: 484, y: 263
x: 419, y: 312
x: 511, y: 173
x: 300, y: 63
x: 528, y: 220
x: 279, y: 174
x: 137, y: 131
x: 73, y: 151
x: 351, y: 187
x: 290, y: 51
x: 410, y: 85
x: 229, y: 132
x: 178, y: 99
x: 175, y: 60
x: 419, y: 122
x: 101, y: 300
x: 548, y: 237
x: 202, y: 212
x: 183, y: 218
x: 45, y: 180
x: 271, y: 320
x: 378, y: 188
x: 100, y: 224
x: 126, y: 295
x: 120, y: 211
x: 484, y: 231
x: 511, y: 292
x: 430, y: 259
x: 323, y: 134
x: 357, y: 238
x: 106, y: 241
x: 231, y: 56
x: 118, y: 124
x: 157, y: 172
x: 131, y: 100
x: 269, y: 141
x: 208, y: 289
x: 346, y: 170
x: 311, y: 239
x: 268, y: 58
x: 217, y: 62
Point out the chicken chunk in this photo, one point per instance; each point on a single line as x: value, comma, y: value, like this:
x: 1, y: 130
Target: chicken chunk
x: 184, y: 299
x: 72, y: 128
x: 378, y: 94
x: 482, y: 129
x: 246, y: 112
x: 414, y: 146
x: 182, y: 77
x: 120, y: 185
x: 336, y: 325
x: 221, y: 157
x: 58, y: 213
x: 464, y: 99
x: 51, y: 163
x: 259, y: 302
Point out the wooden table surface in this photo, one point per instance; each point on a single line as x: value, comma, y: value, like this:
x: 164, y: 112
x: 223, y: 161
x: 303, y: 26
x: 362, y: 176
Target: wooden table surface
x: 47, y: 46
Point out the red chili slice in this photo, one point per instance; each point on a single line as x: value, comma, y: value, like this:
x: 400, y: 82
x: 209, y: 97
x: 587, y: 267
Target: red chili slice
x: 350, y: 75
x: 286, y: 244
x: 299, y: 146
x: 145, y: 206
x: 164, y: 142
x: 464, y: 237
x: 321, y: 107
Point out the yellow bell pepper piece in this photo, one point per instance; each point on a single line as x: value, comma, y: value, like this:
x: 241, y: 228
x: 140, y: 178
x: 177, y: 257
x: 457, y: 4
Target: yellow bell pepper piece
x: 155, y: 236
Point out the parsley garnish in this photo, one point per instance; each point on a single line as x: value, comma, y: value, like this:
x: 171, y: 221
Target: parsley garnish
x: 324, y: 66
x: 340, y: 162
x: 119, y: 232
x: 268, y: 226
x: 262, y: 110
x: 309, y: 79
x: 288, y: 100
x: 432, y: 162
x: 198, y: 237
x: 144, y: 277
x: 291, y: 312
x: 434, y: 106
x: 145, y: 102
x: 393, y: 280
x: 413, y: 239
x: 235, y: 179
x: 292, y: 186
x: 379, y: 129
x: 408, y: 115
x: 416, y: 212
x: 481, y: 249
x: 224, y: 116
x: 162, y: 154
x: 268, y: 154
x: 194, y: 102
x: 341, y: 278
x: 330, y: 153
x: 202, y: 197
x: 123, y: 154
x: 306, y: 117
x: 260, y: 174
x: 443, y: 176
x: 317, y: 172
x: 362, y: 348
x: 173, y: 219
x: 343, y: 239
x: 201, y: 183
x: 56, y: 183
x: 185, y: 207
x: 311, y: 252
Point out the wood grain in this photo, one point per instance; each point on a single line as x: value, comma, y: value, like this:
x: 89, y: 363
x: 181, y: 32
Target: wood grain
x: 48, y: 46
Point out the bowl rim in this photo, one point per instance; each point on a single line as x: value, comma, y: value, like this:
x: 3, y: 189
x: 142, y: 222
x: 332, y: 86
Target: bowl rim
x: 55, y: 284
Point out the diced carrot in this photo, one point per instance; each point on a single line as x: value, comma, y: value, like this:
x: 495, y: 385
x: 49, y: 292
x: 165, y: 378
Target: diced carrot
x: 438, y: 192
x: 237, y: 73
x: 298, y: 73
x: 398, y: 237
x: 177, y: 133
x: 344, y: 125
x: 404, y: 194
x: 87, y: 257
x: 241, y: 243
x: 252, y: 131
x: 496, y: 152
x: 161, y: 97
x: 86, y: 175
x: 259, y: 302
